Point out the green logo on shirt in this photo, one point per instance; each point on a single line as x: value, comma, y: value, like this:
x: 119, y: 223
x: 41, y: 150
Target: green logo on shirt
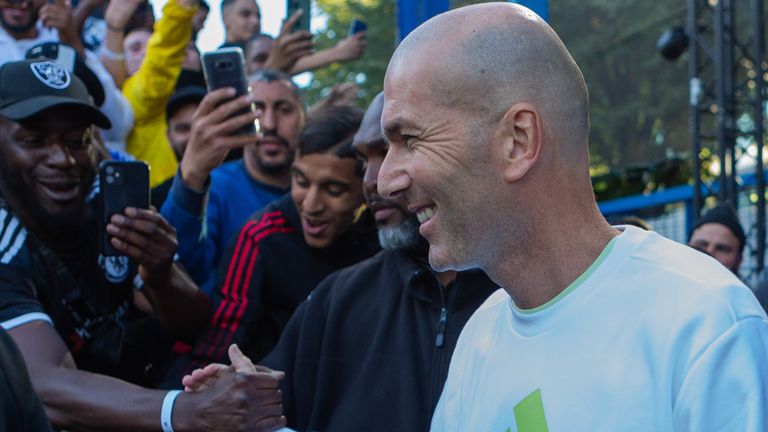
x: 529, y: 414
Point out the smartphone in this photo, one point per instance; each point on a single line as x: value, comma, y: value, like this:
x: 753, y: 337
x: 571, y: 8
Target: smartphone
x: 225, y: 67
x: 121, y: 184
x: 62, y: 54
x: 292, y: 6
x: 357, y: 26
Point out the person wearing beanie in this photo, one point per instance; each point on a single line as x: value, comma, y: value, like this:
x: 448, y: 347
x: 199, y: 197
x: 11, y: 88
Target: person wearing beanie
x: 719, y: 234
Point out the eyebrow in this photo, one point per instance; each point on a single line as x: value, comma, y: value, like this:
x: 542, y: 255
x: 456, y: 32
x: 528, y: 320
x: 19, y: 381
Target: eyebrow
x: 330, y: 182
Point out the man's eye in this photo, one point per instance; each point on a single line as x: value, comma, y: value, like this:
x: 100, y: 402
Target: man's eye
x: 410, y: 141
x: 300, y: 181
x: 336, y: 191
x: 31, y: 142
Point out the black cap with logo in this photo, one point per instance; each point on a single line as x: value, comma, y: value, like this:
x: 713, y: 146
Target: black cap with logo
x: 29, y: 87
x: 68, y: 57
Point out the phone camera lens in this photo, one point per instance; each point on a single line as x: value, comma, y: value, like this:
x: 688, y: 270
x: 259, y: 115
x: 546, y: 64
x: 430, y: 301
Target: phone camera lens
x: 110, y: 170
x: 110, y: 179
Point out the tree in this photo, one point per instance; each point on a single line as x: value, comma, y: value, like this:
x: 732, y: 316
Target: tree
x: 368, y: 72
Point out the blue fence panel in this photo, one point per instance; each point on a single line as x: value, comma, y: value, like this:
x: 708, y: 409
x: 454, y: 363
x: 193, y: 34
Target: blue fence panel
x: 670, y: 213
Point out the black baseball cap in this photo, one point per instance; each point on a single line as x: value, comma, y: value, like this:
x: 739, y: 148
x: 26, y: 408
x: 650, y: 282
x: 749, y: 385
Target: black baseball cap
x: 723, y: 214
x: 29, y: 87
x: 68, y: 57
x: 186, y: 95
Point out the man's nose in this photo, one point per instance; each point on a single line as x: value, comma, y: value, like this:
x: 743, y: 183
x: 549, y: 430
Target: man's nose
x: 393, y: 179
x: 60, y: 155
x: 267, y: 120
x: 313, y: 202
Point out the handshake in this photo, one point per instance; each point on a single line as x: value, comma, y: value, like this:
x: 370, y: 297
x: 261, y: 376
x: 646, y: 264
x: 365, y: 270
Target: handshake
x: 242, y: 396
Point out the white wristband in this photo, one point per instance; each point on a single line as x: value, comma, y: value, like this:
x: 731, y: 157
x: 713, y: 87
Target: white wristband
x: 109, y: 54
x: 166, y: 414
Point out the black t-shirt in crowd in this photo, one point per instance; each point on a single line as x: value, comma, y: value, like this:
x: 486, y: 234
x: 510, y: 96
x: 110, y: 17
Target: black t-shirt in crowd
x: 85, y: 296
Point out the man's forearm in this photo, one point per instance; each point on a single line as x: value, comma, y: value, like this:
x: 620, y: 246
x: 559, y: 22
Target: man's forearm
x: 81, y: 400
x: 180, y: 305
x: 316, y: 60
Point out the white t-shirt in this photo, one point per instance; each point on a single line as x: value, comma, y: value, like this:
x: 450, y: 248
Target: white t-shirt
x: 654, y: 336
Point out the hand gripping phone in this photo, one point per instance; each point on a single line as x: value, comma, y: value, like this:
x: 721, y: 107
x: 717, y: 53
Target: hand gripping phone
x: 225, y: 67
x: 121, y: 184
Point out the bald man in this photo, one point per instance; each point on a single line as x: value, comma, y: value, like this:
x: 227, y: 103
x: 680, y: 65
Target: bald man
x: 596, y: 328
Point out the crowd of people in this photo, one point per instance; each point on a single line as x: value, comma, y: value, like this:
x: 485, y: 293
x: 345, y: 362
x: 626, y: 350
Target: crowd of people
x: 435, y: 262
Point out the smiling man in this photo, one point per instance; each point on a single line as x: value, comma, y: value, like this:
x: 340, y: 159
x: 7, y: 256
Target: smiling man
x: 339, y: 334
x: 282, y: 252
x: 487, y: 117
x: 209, y: 201
x: 70, y: 312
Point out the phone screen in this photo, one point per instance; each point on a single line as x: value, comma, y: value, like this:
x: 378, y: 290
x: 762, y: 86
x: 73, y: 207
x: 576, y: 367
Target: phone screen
x: 292, y: 6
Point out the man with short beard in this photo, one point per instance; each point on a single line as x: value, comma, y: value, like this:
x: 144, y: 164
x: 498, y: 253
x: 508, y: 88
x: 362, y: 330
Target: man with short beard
x: 209, y: 201
x: 369, y: 350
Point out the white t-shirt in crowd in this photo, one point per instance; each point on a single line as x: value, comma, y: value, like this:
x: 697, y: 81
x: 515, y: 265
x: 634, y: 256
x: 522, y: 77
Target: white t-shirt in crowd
x: 654, y: 336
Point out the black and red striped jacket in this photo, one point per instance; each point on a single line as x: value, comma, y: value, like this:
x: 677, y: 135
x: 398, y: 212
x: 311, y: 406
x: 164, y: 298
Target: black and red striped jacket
x: 266, y: 272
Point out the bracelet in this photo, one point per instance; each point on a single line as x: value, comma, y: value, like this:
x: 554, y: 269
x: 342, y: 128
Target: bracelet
x: 166, y: 414
x: 115, y: 29
x: 111, y: 55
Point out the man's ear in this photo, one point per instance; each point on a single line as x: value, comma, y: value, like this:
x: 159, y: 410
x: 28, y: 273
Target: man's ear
x: 520, y: 134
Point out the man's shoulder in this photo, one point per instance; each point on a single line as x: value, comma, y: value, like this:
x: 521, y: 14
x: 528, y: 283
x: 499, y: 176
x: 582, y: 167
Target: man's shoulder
x: 273, y: 220
x: 13, y: 237
x: 660, y: 271
x: 360, y: 275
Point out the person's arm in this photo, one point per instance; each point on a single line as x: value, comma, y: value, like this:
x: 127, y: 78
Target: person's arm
x: 148, y: 239
x: 115, y: 106
x: 81, y: 400
x: 289, y: 46
x: 210, y: 140
x: 82, y: 11
x: 58, y: 14
x: 341, y: 94
x: 117, y: 15
x: 350, y: 48
x: 150, y: 87
x: 237, y: 298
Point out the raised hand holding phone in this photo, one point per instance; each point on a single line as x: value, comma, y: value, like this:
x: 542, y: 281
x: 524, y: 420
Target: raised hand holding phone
x: 290, y: 45
x: 220, y: 114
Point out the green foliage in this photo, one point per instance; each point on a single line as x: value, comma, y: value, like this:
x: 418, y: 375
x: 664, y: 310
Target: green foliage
x: 639, y: 110
x: 367, y: 72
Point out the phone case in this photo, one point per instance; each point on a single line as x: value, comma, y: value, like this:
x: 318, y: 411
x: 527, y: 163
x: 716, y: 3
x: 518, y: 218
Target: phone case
x: 292, y: 6
x: 357, y: 26
x: 225, y: 67
x: 121, y: 184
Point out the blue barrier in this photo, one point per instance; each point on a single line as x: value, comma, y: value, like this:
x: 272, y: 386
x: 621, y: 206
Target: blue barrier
x: 676, y: 215
x: 411, y: 13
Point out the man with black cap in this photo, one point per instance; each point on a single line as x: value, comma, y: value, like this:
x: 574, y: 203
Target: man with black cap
x: 178, y: 113
x: 719, y: 234
x: 70, y: 310
x: 35, y: 29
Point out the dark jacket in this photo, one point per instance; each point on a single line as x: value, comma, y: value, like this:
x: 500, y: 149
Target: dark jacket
x: 369, y: 350
x: 267, y: 271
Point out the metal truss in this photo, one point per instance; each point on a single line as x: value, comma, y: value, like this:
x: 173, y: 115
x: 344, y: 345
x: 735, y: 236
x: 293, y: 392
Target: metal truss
x: 727, y: 75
